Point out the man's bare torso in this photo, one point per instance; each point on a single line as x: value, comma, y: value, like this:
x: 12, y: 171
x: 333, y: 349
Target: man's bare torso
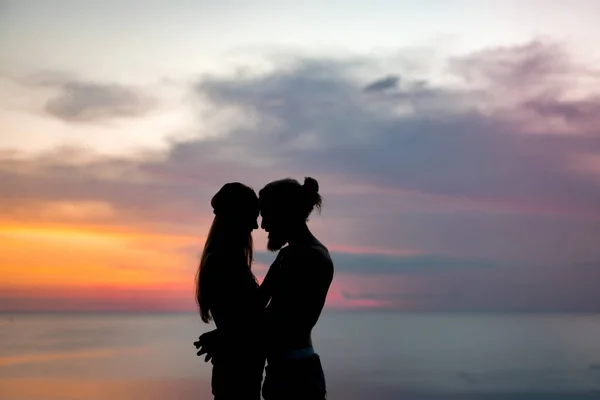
x: 305, y: 274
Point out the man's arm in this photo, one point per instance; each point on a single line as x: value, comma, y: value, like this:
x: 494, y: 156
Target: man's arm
x: 265, y: 291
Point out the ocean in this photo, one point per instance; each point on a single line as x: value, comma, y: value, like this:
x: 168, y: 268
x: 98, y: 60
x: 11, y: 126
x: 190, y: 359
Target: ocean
x: 366, y: 355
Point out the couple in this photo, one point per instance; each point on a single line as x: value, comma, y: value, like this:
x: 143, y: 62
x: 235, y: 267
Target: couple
x: 272, y: 322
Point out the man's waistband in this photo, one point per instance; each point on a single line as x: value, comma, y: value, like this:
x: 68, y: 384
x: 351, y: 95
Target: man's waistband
x: 294, y: 354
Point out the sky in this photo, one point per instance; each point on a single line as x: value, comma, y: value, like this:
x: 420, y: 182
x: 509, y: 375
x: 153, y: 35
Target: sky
x: 456, y: 145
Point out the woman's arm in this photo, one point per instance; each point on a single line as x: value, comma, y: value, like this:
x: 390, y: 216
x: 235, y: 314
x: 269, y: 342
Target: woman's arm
x: 208, y: 343
x: 237, y: 314
x: 234, y: 306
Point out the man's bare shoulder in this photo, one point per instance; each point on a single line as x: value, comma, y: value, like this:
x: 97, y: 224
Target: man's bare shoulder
x: 320, y: 253
x: 312, y: 257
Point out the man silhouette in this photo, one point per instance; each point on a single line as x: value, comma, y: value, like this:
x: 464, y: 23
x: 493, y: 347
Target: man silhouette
x: 297, y: 283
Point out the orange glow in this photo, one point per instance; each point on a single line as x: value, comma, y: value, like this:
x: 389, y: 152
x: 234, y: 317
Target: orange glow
x: 79, y: 266
x: 49, y: 357
x: 54, y: 255
x: 101, y: 389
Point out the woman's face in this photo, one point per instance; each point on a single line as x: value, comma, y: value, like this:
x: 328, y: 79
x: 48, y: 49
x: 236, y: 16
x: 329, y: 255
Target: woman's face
x: 244, y: 218
x: 248, y: 219
x: 252, y: 223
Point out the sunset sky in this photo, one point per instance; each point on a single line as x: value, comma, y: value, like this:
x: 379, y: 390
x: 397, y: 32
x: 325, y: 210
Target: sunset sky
x: 456, y: 143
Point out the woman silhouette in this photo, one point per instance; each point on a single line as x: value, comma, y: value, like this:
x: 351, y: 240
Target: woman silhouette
x: 228, y: 293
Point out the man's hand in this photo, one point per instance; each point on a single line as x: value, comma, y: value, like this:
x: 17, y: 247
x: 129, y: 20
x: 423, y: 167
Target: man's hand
x: 207, y: 343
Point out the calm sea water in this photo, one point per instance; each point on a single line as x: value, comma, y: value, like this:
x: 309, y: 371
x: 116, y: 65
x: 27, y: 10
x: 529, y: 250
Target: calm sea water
x: 365, y: 356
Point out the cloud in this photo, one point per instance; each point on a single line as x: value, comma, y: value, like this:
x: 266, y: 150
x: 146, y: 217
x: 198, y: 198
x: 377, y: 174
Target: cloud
x: 534, y: 64
x: 433, y: 139
x: 478, y: 173
x: 583, y: 112
x: 81, y: 101
x: 86, y: 102
x: 441, y: 283
x: 314, y: 118
x: 385, y: 264
x: 375, y: 264
x: 517, y: 288
x: 387, y: 297
x: 389, y: 82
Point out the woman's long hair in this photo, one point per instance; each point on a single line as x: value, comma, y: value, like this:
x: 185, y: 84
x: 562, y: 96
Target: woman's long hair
x: 228, y: 241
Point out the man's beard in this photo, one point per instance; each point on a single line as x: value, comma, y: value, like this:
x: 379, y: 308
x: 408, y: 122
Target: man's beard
x: 275, y: 243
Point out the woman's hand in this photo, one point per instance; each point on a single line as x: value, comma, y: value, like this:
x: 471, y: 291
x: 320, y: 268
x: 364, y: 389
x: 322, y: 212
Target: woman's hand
x: 208, y: 343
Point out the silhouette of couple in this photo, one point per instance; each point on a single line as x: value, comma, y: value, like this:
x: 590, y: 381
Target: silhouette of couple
x: 272, y: 322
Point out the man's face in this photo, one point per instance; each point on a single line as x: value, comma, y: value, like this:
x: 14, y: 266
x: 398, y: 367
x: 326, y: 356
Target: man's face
x: 273, y: 224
